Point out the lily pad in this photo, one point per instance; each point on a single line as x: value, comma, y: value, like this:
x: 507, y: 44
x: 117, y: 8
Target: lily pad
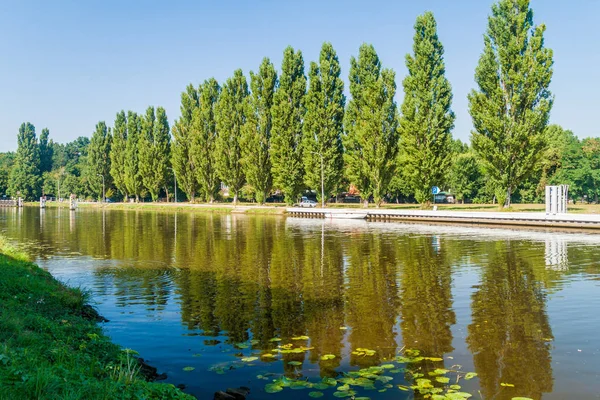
x: 295, y: 363
x: 442, y: 379
x: 507, y: 384
x: 329, y: 381
x: 272, y: 388
x: 458, y: 396
x: 300, y: 385
x: 249, y: 359
x: 267, y: 355
x: 300, y: 338
x: 189, y: 368
x: 315, y: 395
x: 470, y: 375
x: 196, y: 355
x: 275, y: 339
x: 327, y: 357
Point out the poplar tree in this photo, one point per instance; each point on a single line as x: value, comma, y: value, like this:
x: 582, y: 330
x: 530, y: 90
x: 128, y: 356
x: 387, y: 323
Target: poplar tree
x: 230, y: 118
x: 133, y: 179
x: 155, y: 151
x: 98, y: 159
x: 427, y: 118
x: 371, y: 124
x: 511, y: 106
x: 25, y: 173
x: 204, y: 137
x: 256, y: 137
x: 118, y: 154
x: 286, y: 136
x: 46, y: 151
x: 323, y: 124
x: 146, y: 152
x: 181, y: 147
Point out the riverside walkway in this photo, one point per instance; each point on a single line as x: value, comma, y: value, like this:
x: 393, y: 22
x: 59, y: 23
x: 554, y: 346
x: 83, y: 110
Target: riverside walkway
x: 540, y: 219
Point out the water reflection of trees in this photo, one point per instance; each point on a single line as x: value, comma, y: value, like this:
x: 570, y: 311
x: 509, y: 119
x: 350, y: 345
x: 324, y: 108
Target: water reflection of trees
x: 510, y: 329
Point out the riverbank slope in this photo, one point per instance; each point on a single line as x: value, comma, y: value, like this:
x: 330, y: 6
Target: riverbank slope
x: 51, y: 346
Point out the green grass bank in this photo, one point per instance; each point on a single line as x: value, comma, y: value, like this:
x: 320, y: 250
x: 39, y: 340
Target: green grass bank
x: 51, y: 346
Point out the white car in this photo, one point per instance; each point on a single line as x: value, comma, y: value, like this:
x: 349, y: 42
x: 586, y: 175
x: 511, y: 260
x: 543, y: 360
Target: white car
x: 307, y: 203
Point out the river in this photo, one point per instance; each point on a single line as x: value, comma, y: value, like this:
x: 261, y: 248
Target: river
x: 278, y: 304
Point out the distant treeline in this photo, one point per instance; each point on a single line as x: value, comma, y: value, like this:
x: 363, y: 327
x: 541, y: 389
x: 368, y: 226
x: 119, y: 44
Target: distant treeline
x: 287, y: 133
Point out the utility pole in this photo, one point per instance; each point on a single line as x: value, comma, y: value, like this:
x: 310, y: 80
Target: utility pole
x: 103, y: 195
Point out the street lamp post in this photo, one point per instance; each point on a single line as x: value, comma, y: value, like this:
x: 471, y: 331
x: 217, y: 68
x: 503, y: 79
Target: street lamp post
x: 174, y: 180
x: 103, y: 193
x: 322, y: 178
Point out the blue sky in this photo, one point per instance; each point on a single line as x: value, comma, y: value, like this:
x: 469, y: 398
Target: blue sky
x: 66, y: 65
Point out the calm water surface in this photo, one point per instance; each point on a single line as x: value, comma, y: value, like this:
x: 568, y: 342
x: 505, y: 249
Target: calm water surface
x: 209, y: 291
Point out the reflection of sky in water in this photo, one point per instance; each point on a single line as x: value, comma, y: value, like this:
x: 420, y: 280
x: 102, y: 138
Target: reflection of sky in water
x: 513, y: 305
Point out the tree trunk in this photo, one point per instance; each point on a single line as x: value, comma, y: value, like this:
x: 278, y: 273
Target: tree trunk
x: 507, y: 201
x: 366, y: 203
x: 235, y: 199
x: 167, y: 193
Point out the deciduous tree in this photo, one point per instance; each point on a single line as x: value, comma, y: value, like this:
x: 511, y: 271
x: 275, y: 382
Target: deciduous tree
x: 25, y: 175
x: 427, y: 118
x: 118, y: 154
x: 288, y: 113
x: 324, y: 124
x: 256, y: 137
x: 371, y: 124
x: 511, y: 106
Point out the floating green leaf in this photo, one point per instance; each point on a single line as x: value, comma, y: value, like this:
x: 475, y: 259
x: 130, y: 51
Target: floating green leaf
x: 188, y: 368
x: 455, y: 387
x: 507, y: 384
x: 295, y: 363
x: 329, y: 381
x: 300, y: 385
x: 196, y: 355
x: 267, y: 355
x: 521, y: 398
x: 458, y: 396
x: 273, y: 388
x: 275, y: 339
x: 442, y: 379
x: 344, y: 388
x: 387, y: 366
x: 241, y: 345
x: 321, y: 386
x: 315, y: 395
x: 470, y: 375
x: 300, y: 338
x: 349, y: 393
x: 327, y: 357
x: 404, y: 388
x: 249, y: 359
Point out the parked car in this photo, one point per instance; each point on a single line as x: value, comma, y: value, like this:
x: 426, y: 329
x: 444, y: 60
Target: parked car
x: 307, y: 203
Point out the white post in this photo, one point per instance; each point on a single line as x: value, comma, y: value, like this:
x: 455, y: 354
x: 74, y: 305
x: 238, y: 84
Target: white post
x: 547, y: 199
x: 554, y: 200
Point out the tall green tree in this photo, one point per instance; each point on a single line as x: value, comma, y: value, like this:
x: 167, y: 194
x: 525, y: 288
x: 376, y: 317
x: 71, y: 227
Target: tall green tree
x: 25, y: 175
x: 465, y: 176
x: 371, y: 124
x: 98, y: 160
x: 427, y: 118
x: 256, y: 138
x: 118, y: 154
x: 511, y: 107
x: 204, y: 137
x: 324, y: 124
x: 133, y: 178
x: 181, y: 147
x: 230, y: 117
x: 46, y: 150
x: 286, y: 136
x: 155, y: 151
x: 7, y: 160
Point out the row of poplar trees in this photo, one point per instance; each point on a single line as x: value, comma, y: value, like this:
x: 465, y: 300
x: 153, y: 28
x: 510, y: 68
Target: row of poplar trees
x: 289, y: 132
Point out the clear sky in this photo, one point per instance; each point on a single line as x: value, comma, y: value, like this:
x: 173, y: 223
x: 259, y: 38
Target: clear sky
x: 66, y: 65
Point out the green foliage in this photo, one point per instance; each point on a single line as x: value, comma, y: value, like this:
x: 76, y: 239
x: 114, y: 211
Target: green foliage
x: 426, y: 115
x: 288, y: 112
x: 230, y: 118
x: 46, y: 151
x: 133, y: 178
x: 323, y: 124
x: 98, y: 160
x: 371, y: 124
x: 53, y: 349
x: 511, y: 107
x: 182, y: 146
x: 118, y: 154
x: 6, y: 163
x: 256, y: 139
x: 25, y: 176
x: 155, y: 146
x: 204, y: 137
x: 466, y: 177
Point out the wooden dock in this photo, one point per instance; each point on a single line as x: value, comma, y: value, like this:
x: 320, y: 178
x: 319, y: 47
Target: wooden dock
x: 540, y: 219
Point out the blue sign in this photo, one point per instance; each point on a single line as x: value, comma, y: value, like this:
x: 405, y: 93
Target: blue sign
x: 435, y: 190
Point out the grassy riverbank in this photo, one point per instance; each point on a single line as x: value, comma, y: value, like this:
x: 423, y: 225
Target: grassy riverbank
x: 51, y: 346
